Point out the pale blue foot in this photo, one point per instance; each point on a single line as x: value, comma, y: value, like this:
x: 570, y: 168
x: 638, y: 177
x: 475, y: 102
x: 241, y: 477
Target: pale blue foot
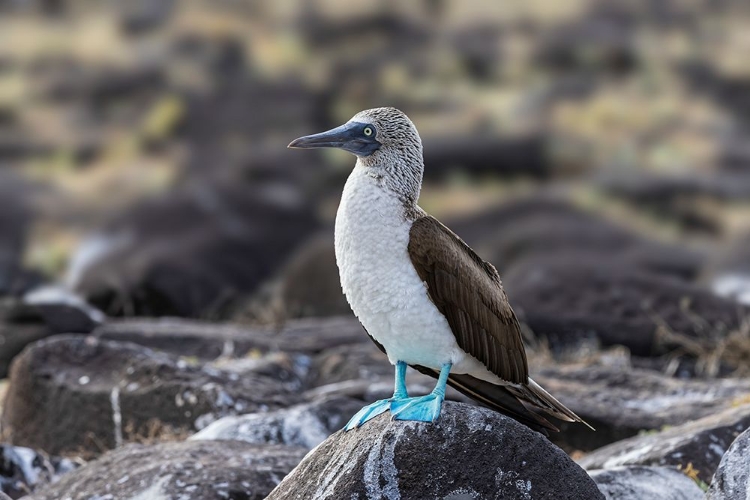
x: 421, y: 409
x: 371, y: 411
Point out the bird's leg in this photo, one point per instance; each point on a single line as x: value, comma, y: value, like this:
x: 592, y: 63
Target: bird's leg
x: 371, y: 411
x: 424, y: 408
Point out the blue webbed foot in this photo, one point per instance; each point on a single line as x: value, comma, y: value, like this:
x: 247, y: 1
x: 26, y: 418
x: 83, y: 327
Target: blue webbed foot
x: 368, y: 413
x: 421, y: 409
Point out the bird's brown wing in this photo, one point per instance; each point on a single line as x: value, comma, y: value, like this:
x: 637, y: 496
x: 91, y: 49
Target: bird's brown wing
x: 468, y: 292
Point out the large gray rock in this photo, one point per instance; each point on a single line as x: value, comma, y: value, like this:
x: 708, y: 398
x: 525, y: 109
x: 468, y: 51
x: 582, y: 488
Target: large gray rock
x: 470, y: 452
x: 646, y: 483
x: 732, y: 478
x: 305, y: 425
x: 622, y: 401
x: 206, y: 340
x: 699, y: 444
x: 616, y: 304
x: 206, y: 470
x: 78, y: 394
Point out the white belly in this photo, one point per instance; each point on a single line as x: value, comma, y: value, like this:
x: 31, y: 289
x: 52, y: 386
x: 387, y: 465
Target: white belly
x: 382, y: 286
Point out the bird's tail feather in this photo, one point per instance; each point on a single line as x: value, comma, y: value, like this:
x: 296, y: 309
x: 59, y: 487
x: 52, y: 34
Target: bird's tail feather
x: 533, y: 394
x: 495, y: 397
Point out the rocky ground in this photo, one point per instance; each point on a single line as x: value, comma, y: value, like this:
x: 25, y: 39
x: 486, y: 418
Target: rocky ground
x: 171, y: 321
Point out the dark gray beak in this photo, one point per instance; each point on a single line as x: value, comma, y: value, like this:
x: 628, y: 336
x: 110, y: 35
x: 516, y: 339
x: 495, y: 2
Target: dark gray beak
x: 349, y: 137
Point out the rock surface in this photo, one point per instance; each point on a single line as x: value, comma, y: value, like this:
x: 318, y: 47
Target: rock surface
x: 699, y: 445
x: 209, y: 470
x: 620, y: 402
x: 732, y: 478
x: 646, y: 483
x: 23, y: 469
x: 305, y: 425
x: 206, y: 340
x: 213, y: 243
x: 470, y: 453
x: 77, y: 394
x: 615, y: 305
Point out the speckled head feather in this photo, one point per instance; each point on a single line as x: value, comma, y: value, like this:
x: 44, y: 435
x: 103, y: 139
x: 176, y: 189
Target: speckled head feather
x: 398, y: 163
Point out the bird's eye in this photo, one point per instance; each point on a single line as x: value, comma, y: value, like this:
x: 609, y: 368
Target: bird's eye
x: 367, y: 131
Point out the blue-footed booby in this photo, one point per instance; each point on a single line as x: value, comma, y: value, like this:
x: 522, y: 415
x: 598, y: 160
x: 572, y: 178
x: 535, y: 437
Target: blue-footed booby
x: 423, y: 295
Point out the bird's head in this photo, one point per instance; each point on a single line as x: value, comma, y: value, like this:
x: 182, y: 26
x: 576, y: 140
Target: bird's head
x: 385, y: 142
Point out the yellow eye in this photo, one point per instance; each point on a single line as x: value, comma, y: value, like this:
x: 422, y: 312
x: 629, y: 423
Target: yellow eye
x: 367, y: 131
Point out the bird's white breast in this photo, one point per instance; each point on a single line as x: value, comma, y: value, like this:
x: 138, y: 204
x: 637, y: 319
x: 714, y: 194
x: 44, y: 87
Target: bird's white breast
x: 381, y: 284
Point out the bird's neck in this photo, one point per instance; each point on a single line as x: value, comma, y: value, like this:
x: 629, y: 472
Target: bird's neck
x: 400, y: 178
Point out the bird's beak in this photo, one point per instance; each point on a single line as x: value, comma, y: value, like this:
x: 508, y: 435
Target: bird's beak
x: 348, y: 137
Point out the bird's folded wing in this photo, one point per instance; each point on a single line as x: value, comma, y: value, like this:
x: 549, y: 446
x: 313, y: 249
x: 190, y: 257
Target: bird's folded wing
x: 468, y: 292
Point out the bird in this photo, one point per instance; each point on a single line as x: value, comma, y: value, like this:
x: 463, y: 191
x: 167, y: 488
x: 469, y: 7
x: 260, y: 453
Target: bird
x: 424, y: 296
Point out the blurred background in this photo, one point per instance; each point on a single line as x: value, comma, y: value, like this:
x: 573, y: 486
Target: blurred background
x: 143, y: 160
x: 598, y: 153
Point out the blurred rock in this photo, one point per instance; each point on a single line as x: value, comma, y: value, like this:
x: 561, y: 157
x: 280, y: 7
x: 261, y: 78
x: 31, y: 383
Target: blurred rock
x: 363, y: 361
x: 306, y: 425
x: 22, y: 470
x: 206, y: 340
x: 209, y: 470
x: 732, y: 477
x: 547, y: 225
x: 499, y: 458
x: 208, y: 246
x: 486, y: 154
x: 621, y: 402
x: 616, y: 305
x: 15, y: 218
x: 698, y: 445
x: 309, y: 284
x: 39, y: 314
x: 73, y: 394
x: 729, y: 273
x: 646, y: 483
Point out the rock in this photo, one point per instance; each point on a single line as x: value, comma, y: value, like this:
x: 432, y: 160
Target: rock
x: 206, y: 340
x: 62, y: 310
x: 3, y: 496
x: 732, y: 477
x: 646, y: 483
x: 698, y: 445
x: 729, y: 274
x: 212, y: 244
x: 209, y: 470
x: 309, y: 284
x: 73, y: 394
x: 15, y: 218
x: 616, y: 305
x: 548, y: 225
x: 22, y: 469
x: 621, y: 402
x: 38, y: 314
x: 305, y: 425
x: 499, y: 458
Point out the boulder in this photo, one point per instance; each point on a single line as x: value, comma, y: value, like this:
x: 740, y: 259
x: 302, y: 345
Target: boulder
x: 697, y: 446
x: 305, y: 425
x: 209, y: 470
x: 732, y: 477
x: 38, y: 314
x: 77, y: 394
x: 620, y: 402
x: 646, y: 483
x: 206, y: 341
x: 212, y: 244
x: 470, y: 452
x: 22, y: 469
x: 616, y: 305
x: 729, y: 274
x: 550, y: 225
